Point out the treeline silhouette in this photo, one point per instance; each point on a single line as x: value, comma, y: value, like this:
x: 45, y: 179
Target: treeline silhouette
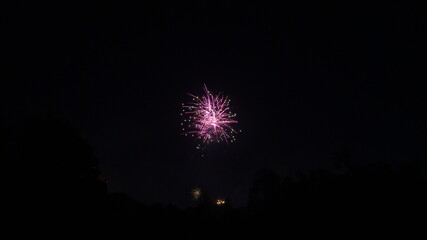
x: 54, y: 188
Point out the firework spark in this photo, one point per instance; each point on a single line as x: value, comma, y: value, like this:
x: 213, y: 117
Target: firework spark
x: 209, y: 118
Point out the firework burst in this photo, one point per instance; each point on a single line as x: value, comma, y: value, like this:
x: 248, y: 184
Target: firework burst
x: 209, y: 118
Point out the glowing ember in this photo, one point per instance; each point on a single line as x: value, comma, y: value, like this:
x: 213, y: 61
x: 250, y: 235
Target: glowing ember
x: 209, y: 118
x: 220, y: 202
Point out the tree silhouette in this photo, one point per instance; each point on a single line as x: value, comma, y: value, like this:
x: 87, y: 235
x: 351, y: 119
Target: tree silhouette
x: 54, y: 164
x: 265, y: 191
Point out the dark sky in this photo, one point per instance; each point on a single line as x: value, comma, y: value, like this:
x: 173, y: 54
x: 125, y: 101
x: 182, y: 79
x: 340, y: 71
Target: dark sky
x: 306, y: 79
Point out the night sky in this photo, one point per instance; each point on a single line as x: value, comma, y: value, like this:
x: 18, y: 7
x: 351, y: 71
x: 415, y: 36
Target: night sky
x: 307, y: 80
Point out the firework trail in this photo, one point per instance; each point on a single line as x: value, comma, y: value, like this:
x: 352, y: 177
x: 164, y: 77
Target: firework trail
x: 209, y: 118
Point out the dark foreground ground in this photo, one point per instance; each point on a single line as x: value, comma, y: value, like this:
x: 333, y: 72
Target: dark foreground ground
x: 368, y: 202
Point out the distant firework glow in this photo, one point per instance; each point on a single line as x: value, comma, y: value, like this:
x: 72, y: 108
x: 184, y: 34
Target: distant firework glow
x: 196, y: 193
x: 209, y: 118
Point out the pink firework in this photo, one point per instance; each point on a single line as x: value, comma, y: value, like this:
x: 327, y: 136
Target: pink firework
x: 209, y: 118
